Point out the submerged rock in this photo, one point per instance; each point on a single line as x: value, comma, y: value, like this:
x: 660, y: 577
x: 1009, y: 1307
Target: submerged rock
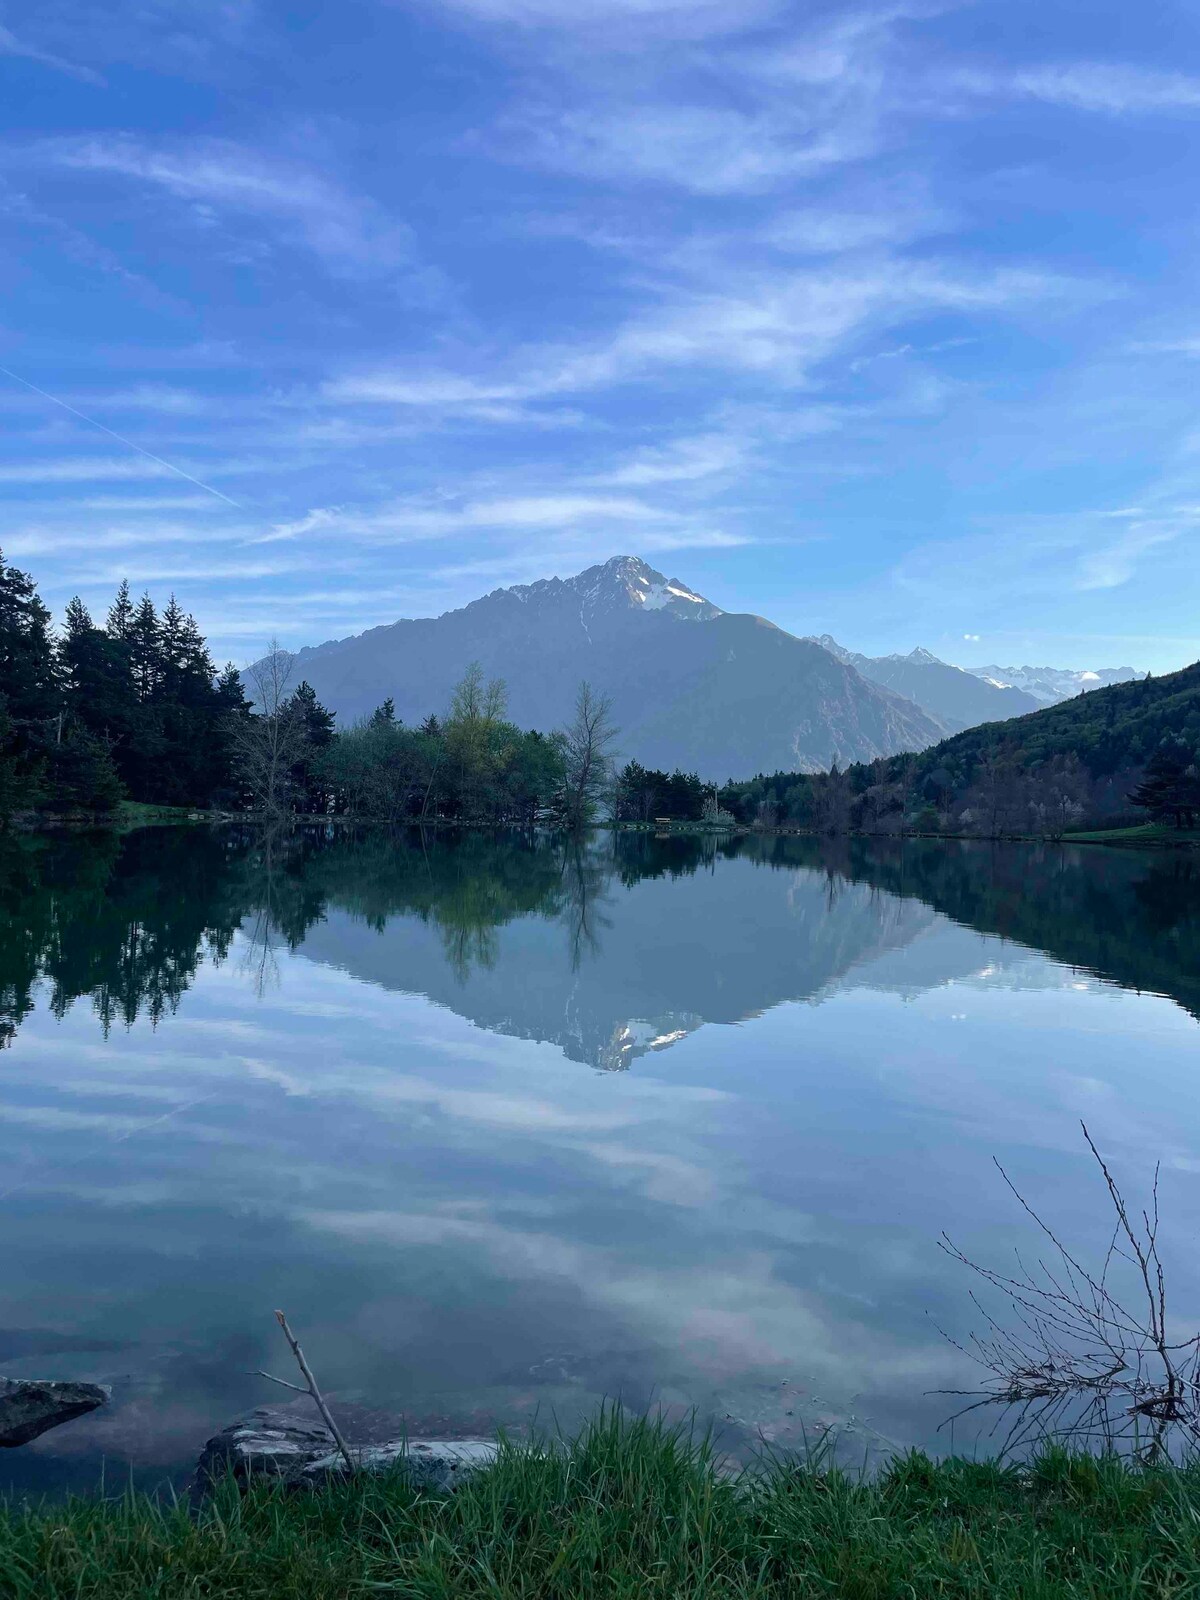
x: 279, y: 1444
x: 31, y: 1406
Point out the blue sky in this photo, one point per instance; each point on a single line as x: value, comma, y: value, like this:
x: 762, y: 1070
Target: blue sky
x: 877, y: 320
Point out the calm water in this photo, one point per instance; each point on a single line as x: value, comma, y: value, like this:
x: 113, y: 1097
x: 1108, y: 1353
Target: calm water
x: 507, y: 1126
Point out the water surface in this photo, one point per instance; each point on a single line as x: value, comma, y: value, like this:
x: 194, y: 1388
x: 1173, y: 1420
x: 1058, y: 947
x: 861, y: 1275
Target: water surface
x: 508, y: 1125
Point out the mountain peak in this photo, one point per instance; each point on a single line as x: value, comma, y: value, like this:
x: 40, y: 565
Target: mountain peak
x: 630, y: 582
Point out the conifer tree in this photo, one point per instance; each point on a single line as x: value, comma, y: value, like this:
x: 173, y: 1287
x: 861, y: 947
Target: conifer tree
x: 27, y: 667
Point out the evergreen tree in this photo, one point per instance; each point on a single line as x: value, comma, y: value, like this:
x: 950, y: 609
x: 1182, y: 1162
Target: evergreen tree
x: 120, y: 615
x: 317, y: 734
x: 1170, y: 787
x: 145, y: 650
x: 384, y: 715
x: 27, y: 667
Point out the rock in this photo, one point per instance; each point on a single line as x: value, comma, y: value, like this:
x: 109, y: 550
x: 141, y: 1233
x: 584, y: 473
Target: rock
x: 29, y: 1406
x: 279, y: 1444
x: 429, y: 1463
x: 268, y: 1442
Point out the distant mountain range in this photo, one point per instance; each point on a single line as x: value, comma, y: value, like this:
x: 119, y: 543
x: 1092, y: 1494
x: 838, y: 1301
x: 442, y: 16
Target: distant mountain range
x: 691, y: 685
x: 1049, y: 685
x: 720, y: 693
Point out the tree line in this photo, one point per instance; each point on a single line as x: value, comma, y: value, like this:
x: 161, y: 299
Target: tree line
x: 1110, y: 756
x: 134, y: 708
x: 470, y: 764
x: 130, y: 707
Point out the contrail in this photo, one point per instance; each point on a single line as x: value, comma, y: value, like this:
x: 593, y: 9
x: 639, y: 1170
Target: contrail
x: 120, y: 438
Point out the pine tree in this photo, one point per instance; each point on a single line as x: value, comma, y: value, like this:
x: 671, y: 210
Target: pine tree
x: 27, y: 666
x: 145, y: 649
x: 384, y: 715
x: 120, y: 615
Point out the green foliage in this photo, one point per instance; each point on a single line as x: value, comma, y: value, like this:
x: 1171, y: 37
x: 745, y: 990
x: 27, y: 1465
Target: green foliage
x: 130, y: 708
x: 1046, y: 774
x: 632, y: 1510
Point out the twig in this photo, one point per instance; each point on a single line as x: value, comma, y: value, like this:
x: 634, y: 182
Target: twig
x: 312, y: 1389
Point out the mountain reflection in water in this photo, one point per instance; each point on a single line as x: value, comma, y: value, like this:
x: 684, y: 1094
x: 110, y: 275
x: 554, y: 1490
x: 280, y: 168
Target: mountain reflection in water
x: 345, y: 1073
x: 128, y: 919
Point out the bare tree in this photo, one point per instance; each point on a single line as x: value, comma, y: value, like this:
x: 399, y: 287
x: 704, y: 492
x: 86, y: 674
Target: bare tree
x: 1091, y: 1356
x: 586, y: 745
x: 268, y: 743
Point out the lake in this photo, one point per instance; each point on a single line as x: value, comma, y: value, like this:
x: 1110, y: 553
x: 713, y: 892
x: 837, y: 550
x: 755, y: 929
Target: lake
x: 508, y: 1125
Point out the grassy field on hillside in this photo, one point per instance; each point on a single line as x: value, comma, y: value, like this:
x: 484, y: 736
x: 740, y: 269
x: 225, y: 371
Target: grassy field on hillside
x: 631, y: 1511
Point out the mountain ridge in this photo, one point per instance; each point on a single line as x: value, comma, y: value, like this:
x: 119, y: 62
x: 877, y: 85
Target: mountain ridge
x: 692, y: 685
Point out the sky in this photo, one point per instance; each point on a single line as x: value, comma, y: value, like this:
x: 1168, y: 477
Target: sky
x: 878, y: 320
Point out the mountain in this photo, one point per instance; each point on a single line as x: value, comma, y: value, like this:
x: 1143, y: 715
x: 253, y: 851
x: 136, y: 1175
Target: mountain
x: 691, y: 685
x: 1049, y: 685
x: 957, y: 698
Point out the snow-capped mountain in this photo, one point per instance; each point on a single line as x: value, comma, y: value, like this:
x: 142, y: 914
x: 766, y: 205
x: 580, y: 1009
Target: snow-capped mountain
x: 1049, y: 685
x: 721, y: 693
x: 958, y: 698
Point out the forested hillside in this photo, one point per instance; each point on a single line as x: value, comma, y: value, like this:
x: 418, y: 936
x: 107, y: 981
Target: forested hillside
x: 1121, y: 753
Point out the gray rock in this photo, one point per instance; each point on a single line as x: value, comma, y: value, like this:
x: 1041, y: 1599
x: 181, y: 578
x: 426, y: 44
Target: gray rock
x: 428, y: 1463
x: 29, y: 1406
x: 279, y: 1444
x: 270, y: 1443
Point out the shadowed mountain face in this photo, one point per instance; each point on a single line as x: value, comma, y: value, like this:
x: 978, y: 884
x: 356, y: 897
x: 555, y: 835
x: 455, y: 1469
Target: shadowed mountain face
x: 691, y: 685
x: 957, y: 698
x: 578, y: 946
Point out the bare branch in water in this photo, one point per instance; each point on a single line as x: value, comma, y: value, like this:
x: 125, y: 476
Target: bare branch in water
x: 310, y: 1389
x: 1080, y: 1364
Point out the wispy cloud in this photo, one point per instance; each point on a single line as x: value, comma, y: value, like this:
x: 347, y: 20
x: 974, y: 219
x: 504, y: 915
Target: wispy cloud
x: 774, y: 325
x: 517, y: 514
x: 680, y: 461
x: 708, y: 150
x: 1113, y: 88
x: 1114, y: 562
x: 612, y: 19
x: 1097, y: 86
x: 215, y: 176
x: 10, y: 45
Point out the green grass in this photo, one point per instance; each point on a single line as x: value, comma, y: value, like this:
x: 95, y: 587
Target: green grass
x: 632, y: 1511
x: 1139, y: 833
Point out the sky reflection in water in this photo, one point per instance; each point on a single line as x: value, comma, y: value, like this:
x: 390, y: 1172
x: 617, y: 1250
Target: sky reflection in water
x: 507, y: 1126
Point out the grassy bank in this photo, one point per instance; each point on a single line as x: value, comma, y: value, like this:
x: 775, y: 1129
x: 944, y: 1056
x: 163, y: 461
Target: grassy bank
x: 632, y: 1511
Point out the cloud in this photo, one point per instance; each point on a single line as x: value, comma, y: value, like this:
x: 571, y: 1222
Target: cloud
x: 708, y: 150
x: 611, y: 20
x: 1095, y: 86
x: 1115, y: 563
x: 220, y: 175
x: 80, y: 469
x: 767, y: 324
x: 1110, y: 88
x: 10, y: 45
x: 518, y: 514
x: 680, y: 461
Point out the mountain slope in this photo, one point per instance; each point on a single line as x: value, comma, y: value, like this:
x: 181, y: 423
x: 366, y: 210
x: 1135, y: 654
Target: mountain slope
x: 1108, y: 730
x: 958, y: 698
x: 691, y: 685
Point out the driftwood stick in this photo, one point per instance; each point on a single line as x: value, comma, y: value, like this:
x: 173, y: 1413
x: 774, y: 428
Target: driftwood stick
x: 318, y: 1397
x: 282, y: 1382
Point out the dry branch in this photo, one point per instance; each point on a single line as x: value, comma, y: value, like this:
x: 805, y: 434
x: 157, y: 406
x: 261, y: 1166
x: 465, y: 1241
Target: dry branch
x: 1079, y: 1362
x: 310, y: 1389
